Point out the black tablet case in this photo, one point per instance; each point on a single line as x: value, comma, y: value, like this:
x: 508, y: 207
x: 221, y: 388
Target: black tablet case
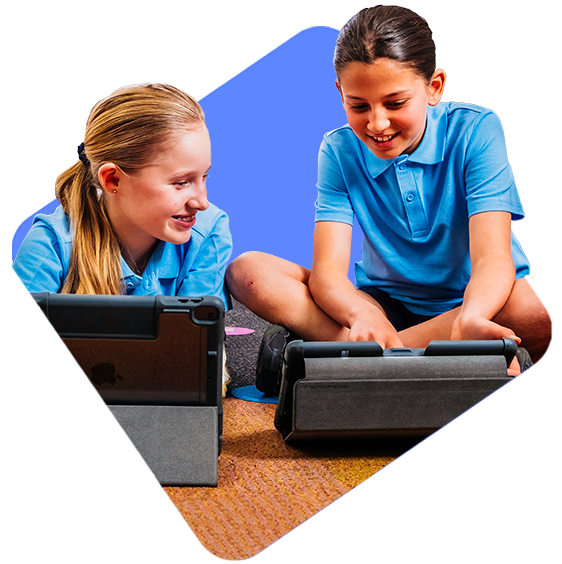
x: 126, y: 350
x: 357, y: 389
x: 157, y: 362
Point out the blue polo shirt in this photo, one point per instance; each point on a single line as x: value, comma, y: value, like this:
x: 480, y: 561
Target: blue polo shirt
x: 414, y: 209
x: 195, y: 268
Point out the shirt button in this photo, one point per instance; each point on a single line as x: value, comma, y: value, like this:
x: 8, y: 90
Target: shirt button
x: 410, y: 197
x: 403, y: 166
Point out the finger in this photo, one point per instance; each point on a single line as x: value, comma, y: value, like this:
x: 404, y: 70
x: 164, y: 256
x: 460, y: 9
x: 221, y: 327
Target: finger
x: 514, y: 368
x: 394, y: 343
x: 506, y: 333
x: 515, y: 338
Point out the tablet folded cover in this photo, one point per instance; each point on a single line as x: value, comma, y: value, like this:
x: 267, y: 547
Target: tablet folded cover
x: 334, y: 390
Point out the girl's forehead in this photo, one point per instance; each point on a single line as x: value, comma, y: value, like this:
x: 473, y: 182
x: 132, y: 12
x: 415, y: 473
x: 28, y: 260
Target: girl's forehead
x: 383, y: 75
x: 381, y: 68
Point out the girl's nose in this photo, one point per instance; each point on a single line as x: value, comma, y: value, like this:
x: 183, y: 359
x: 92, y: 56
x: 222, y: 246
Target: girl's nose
x: 198, y: 198
x: 378, y: 121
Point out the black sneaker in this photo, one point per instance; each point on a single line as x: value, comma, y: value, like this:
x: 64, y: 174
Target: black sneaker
x: 531, y: 412
x: 269, y: 364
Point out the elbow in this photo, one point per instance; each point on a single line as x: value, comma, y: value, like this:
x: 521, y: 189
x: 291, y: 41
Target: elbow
x: 314, y: 283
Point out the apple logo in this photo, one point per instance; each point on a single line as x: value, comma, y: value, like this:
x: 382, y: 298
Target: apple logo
x: 104, y: 373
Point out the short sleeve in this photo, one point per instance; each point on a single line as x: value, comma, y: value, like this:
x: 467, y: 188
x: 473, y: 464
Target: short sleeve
x: 490, y: 185
x: 333, y: 202
x: 205, y: 275
x: 39, y: 262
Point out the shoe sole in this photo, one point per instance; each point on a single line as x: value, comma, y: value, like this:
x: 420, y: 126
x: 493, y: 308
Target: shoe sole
x: 267, y: 372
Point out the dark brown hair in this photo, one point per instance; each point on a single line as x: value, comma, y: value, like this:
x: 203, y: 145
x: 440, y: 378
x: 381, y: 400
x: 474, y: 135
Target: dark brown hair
x: 390, y: 32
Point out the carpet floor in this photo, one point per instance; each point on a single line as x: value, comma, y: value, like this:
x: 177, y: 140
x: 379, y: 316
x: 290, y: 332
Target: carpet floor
x: 267, y: 488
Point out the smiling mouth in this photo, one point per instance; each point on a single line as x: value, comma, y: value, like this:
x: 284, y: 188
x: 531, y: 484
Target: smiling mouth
x: 184, y: 218
x: 384, y: 139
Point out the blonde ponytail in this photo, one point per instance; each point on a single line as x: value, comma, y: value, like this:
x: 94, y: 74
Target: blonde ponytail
x: 95, y: 260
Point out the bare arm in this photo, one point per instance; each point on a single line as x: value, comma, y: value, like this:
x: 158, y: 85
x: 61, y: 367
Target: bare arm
x: 491, y: 281
x: 337, y: 296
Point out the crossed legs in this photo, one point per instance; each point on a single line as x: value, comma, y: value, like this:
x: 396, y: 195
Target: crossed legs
x: 277, y: 290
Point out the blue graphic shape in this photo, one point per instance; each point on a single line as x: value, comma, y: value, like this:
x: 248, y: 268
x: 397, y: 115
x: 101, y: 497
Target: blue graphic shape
x: 24, y: 228
x: 266, y: 126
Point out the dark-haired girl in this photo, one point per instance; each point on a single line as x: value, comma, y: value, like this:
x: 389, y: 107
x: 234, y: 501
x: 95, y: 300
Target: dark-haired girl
x: 433, y: 191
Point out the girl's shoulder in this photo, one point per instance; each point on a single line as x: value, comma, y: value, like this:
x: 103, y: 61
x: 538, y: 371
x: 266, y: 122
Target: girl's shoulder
x: 58, y: 222
x: 341, y: 134
x: 340, y: 141
x: 467, y: 128
x: 461, y: 114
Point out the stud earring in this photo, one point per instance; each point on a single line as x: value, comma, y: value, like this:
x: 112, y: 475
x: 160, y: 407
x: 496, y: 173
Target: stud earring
x: 114, y: 192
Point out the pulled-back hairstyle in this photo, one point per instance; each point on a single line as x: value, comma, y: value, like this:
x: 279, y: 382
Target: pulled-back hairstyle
x: 390, y: 32
x: 127, y: 128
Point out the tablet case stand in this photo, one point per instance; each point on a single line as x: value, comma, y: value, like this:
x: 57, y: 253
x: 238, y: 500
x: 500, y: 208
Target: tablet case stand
x: 357, y: 389
x: 110, y: 442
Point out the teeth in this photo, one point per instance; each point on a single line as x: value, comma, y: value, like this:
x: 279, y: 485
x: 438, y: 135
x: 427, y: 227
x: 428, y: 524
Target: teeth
x: 383, y: 139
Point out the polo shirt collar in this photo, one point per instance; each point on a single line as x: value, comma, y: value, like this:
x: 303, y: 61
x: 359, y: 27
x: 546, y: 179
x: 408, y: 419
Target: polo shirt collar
x: 431, y: 149
x: 375, y: 166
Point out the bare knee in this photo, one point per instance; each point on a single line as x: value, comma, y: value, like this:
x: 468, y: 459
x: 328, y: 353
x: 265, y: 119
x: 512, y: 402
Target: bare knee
x: 532, y: 298
x: 242, y: 274
x: 526, y: 315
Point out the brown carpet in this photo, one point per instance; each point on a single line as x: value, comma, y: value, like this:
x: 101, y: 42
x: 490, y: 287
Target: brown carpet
x: 267, y: 488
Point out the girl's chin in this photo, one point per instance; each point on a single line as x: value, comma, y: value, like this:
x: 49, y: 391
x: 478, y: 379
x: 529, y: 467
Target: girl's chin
x: 385, y: 154
x: 176, y: 237
x: 181, y: 240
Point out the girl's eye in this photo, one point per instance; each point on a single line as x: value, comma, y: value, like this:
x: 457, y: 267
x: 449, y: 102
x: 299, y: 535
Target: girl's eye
x: 358, y: 108
x: 183, y: 183
x: 396, y: 105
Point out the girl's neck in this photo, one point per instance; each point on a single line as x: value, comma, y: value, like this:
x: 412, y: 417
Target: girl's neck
x: 136, y: 246
x: 137, y: 259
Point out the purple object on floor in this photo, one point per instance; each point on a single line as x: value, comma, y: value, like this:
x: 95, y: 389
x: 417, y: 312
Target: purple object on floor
x: 251, y: 393
x: 238, y: 331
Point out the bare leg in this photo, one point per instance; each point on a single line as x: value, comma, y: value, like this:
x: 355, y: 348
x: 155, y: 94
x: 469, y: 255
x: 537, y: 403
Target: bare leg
x: 277, y: 291
x: 523, y: 313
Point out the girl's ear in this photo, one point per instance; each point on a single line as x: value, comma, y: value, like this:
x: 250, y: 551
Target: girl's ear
x: 436, y: 87
x: 339, y: 89
x: 109, y: 176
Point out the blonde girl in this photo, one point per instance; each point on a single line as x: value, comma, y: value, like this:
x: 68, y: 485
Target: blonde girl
x: 134, y: 216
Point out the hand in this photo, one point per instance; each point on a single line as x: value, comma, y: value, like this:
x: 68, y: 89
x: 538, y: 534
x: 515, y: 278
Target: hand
x: 374, y: 326
x: 479, y: 328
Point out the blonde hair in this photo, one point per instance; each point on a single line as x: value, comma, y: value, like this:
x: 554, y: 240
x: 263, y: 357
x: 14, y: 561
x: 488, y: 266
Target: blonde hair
x: 127, y: 129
